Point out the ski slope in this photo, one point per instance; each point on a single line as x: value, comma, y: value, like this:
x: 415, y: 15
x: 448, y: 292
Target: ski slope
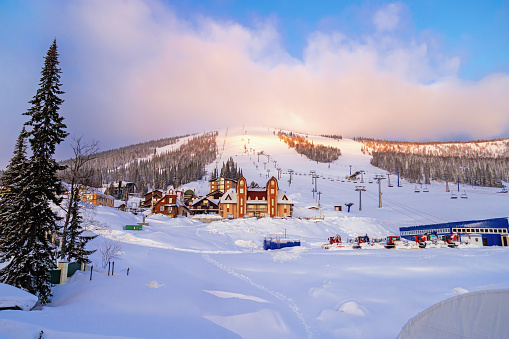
x: 189, y: 279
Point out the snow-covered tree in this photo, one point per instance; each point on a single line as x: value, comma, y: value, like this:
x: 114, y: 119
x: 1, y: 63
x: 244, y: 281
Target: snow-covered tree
x: 76, y: 241
x: 32, y: 259
x: 12, y: 198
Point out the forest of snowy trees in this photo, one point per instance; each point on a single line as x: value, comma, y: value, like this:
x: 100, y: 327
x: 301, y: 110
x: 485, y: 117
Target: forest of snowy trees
x: 313, y: 152
x: 228, y: 171
x: 135, y: 163
x: 480, y: 163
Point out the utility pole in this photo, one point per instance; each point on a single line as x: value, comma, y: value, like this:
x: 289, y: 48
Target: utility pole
x: 319, y: 204
x: 360, y: 189
x: 312, y: 176
x: 362, y: 176
x: 389, y: 180
x: 316, y: 182
x: 379, y: 177
x: 278, y: 173
x: 350, y: 170
x: 290, y: 171
x: 398, y: 181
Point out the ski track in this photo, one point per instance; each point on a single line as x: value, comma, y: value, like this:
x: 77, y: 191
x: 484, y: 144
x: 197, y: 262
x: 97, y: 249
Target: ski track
x: 130, y: 239
x: 291, y: 304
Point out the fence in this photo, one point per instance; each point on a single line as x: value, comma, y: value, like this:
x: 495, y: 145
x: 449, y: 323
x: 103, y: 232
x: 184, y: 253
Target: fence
x: 68, y: 269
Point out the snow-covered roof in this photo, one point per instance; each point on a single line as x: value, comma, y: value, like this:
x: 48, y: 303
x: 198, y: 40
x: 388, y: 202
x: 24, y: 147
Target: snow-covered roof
x: 214, y: 201
x: 118, y: 203
x: 232, y: 194
x: 12, y: 297
x: 282, y: 198
x: 257, y: 189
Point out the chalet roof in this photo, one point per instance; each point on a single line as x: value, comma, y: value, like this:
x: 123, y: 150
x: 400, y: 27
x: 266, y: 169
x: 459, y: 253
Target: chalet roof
x: 233, y: 180
x: 214, y: 201
x: 257, y: 189
x: 282, y: 198
x: 232, y: 194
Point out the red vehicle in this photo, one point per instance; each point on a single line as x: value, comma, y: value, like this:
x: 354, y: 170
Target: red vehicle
x: 335, y: 240
x: 420, y: 239
x: 454, y: 239
x: 390, y: 241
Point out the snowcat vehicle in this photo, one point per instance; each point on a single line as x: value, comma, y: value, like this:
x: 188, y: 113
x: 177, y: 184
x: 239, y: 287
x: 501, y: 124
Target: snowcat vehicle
x: 392, y: 241
x: 333, y: 242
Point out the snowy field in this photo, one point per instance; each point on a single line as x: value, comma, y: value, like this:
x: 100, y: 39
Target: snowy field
x: 189, y: 279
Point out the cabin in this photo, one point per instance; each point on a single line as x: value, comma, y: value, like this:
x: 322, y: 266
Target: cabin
x: 151, y: 196
x: 98, y: 199
x: 208, y: 204
x: 244, y: 201
x: 171, y: 204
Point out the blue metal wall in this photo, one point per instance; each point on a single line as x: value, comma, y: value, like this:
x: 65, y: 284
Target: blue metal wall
x: 274, y: 244
x: 446, y: 228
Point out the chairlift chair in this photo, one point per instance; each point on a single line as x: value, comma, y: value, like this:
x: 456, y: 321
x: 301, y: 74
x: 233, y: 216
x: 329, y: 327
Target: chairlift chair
x: 454, y: 196
x: 426, y: 189
x: 417, y: 190
x: 464, y: 195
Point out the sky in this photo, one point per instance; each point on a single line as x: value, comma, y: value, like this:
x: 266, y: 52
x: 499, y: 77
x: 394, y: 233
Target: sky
x: 140, y: 70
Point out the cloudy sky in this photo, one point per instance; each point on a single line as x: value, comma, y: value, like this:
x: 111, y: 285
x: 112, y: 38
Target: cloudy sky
x: 139, y: 70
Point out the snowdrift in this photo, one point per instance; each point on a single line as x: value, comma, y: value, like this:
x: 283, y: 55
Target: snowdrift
x: 480, y: 314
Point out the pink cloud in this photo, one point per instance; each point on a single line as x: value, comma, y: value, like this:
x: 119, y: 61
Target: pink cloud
x: 175, y: 75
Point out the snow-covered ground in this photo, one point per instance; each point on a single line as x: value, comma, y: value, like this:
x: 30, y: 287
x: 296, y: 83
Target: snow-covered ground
x: 189, y: 279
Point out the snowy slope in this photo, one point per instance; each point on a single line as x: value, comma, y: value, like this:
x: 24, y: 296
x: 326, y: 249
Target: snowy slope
x: 193, y: 280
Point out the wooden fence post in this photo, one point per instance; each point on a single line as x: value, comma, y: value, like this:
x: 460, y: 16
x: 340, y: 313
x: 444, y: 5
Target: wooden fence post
x: 63, y: 265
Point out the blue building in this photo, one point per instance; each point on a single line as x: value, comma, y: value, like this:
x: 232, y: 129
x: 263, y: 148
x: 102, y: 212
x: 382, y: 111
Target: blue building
x: 489, y: 230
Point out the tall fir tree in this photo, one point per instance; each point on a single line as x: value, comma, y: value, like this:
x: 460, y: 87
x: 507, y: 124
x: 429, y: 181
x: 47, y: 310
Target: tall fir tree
x: 32, y: 260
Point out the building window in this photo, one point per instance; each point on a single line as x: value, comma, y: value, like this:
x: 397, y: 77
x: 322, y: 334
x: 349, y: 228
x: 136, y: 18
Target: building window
x: 271, y: 191
x: 161, y: 208
x: 272, y: 183
x: 241, y: 191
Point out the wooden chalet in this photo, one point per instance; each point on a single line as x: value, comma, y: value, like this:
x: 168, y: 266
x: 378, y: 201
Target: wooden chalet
x: 171, y: 204
x: 222, y: 184
x: 97, y: 198
x: 208, y: 204
x: 255, y: 202
x: 152, y: 195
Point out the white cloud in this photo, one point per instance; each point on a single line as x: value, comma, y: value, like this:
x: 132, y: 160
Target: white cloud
x: 387, y: 18
x: 134, y: 71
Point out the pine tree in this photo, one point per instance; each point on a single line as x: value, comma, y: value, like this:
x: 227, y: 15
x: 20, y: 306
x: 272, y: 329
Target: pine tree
x: 76, y: 241
x: 34, y: 255
x: 12, y: 198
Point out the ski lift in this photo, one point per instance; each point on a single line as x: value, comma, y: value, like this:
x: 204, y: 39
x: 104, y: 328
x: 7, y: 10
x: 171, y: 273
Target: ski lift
x: 454, y: 196
x: 464, y: 195
x: 417, y: 190
x: 426, y: 190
